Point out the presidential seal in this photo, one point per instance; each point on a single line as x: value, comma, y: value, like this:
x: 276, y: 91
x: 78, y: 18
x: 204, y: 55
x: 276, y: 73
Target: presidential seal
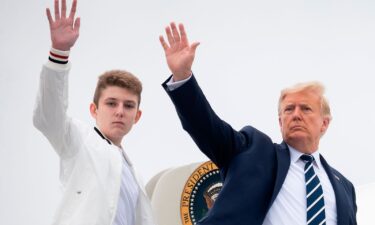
x: 200, y: 193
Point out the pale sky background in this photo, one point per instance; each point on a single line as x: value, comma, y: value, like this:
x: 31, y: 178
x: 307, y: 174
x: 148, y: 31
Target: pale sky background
x: 249, y: 51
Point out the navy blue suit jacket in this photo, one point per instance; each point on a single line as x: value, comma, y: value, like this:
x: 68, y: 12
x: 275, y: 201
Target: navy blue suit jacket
x: 253, y: 168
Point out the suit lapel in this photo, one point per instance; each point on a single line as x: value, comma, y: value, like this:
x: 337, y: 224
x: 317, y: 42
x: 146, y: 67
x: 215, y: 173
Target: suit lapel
x: 341, y: 204
x: 283, y: 163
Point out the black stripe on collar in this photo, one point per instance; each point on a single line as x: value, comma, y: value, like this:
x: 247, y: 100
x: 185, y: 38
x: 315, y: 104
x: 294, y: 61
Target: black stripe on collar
x: 101, y: 135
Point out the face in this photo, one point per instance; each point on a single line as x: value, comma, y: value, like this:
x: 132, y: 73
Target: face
x: 116, y: 112
x: 301, y: 121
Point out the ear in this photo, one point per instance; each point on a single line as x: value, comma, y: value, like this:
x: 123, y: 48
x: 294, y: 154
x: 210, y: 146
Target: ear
x: 93, y: 109
x: 138, y: 116
x: 325, y: 124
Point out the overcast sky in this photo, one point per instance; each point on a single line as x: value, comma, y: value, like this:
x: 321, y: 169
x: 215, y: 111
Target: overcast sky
x: 249, y: 51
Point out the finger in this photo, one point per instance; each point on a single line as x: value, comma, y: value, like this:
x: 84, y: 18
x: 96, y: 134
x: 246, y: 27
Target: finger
x: 57, y: 10
x: 63, y: 9
x: 49, y: 16
x: 194, y: 46
x: 176, y: 35
x: 77, y: 25
x: 169, y: 36
x: 73, y: 10
x: 184, y: 38
x: 163, y: 43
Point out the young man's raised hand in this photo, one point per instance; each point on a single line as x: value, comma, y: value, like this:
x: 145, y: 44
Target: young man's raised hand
x: 64, y: 30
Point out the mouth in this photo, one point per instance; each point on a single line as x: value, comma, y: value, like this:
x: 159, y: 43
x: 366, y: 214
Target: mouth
x: 118, y: 123
x: 297, y: 127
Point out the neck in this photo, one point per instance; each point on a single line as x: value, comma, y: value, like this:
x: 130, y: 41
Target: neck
x: 304, y: 147
x: 118, y: 144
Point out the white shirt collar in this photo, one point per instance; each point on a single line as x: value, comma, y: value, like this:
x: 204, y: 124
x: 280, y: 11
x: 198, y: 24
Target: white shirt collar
x: 295, y: 156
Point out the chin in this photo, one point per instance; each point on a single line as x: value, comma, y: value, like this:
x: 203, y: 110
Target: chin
x: 295, y: 136
x: 297, y: 133
x: 120, y: 134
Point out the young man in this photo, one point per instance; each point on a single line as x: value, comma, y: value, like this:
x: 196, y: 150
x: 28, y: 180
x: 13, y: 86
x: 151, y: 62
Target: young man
x: 263, y: 182
x: 100, y: 184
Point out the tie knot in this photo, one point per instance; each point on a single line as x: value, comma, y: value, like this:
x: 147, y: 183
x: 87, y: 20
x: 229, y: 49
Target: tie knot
x: 307, y: 158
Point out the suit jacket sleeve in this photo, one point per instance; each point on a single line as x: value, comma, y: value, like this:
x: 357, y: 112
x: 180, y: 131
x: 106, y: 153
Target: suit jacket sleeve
x: 216, y: 138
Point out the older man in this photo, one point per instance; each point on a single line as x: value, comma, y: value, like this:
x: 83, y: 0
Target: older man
x: 264, y: 183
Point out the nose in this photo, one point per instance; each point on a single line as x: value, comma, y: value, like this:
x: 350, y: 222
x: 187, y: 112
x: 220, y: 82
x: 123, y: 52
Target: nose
x: 296, y: 113
x: 119, y: 111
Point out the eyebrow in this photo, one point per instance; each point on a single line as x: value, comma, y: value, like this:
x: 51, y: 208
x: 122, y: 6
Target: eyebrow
x: 296, y: 105
x: 116, y: 99
x: 110, y: 98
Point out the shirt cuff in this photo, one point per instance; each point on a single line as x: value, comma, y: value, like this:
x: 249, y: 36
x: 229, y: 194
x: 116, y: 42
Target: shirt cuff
x: 58, y: 56
x: 172, y: 85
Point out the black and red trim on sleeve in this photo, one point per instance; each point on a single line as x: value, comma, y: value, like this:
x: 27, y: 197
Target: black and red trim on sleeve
x: 58, y: 56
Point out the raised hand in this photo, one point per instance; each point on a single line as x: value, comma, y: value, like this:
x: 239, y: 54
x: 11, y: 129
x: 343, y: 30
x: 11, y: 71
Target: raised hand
x: 180, y: 55
x: 64, y: 30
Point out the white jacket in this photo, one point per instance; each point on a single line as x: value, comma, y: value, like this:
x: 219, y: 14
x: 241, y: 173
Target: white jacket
x: 90, y: 168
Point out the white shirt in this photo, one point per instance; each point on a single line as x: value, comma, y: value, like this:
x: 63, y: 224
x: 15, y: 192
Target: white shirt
x: 289, y: 207
x: 129, y: 191
x: 172, y: 85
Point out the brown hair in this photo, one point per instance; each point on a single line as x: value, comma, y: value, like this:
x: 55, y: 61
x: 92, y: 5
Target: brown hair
x: 314, y: 86
x: 118, y: 78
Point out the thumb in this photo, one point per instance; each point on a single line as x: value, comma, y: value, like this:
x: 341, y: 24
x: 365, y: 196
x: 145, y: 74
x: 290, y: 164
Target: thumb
x: 194, y: 47
x: 77, y: 24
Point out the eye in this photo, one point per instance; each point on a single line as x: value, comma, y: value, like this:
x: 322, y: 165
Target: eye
x: 306, y: 108
x: 111, y: 104
x: 129, y: 105
x: 288, y: 109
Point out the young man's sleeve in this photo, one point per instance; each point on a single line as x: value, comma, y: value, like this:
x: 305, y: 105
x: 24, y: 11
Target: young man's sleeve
x: 52, y: 102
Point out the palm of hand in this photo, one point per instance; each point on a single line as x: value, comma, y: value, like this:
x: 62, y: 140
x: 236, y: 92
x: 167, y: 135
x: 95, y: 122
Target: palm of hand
x: 179, y: 54
x: 64, y: 30
x: 180, y: 59
x: 63, y: 35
